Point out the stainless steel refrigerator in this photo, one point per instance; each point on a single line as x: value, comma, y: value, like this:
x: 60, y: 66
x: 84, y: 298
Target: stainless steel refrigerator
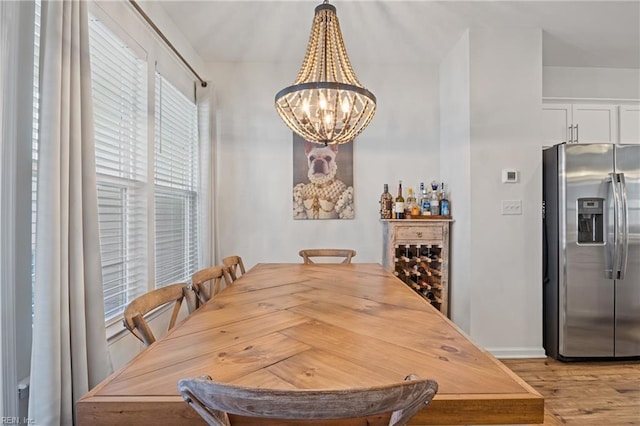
x: 591, y: 246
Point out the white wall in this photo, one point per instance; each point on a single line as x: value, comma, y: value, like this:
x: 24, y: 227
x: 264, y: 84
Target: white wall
x: 490, y: 99
x: 576, y: 82
x: 505, y: 98
x: 254, y: 193
x: 455, y: 163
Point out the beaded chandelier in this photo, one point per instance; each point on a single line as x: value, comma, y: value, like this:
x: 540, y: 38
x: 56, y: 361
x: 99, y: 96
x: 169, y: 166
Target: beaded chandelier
x: 326, y: 104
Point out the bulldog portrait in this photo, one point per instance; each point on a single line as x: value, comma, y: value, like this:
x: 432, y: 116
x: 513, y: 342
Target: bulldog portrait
x: 322, y: 195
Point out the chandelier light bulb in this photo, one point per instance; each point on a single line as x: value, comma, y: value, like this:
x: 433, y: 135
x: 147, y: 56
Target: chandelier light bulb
x: 326, y: 103
x: 346, y: 106
x: 328, y: 118
x: 322, y: 103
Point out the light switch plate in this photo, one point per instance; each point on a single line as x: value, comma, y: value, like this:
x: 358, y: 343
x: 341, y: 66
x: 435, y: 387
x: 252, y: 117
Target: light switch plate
x: 511, y: 206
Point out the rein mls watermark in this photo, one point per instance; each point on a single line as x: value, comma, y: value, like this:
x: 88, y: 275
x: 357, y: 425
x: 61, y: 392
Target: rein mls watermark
x: 17, y: 421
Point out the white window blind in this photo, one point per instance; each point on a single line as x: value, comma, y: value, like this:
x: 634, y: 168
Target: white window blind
x: 176, y: 185
x: 120, y: 122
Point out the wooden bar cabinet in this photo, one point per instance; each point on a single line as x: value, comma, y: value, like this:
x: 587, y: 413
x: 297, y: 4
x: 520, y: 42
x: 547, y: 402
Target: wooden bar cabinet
x: 417, y: 252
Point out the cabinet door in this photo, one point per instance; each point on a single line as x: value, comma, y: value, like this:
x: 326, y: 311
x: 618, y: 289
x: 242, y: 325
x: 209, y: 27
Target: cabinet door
x: 556, y: 119
x: 596, y: 123
x: 630, y: 124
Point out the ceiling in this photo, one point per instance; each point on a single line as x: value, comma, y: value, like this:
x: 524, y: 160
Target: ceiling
x: 575, y: 33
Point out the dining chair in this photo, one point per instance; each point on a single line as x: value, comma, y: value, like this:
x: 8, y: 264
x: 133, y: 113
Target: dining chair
x: 135, y: 311
x: 213, y: 401
x: 234, y: 263
x: 207, y: 282
x: 307, y: 254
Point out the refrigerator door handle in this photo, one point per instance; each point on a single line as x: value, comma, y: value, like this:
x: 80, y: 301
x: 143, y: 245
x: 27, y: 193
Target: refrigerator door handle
x: 612, y: 272
x: 623, y: 228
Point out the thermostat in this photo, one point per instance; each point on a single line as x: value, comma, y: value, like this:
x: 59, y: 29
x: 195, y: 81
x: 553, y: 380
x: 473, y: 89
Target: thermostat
x: 509, y: 176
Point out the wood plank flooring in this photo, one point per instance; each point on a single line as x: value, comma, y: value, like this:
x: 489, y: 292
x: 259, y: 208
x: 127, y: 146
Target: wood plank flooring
x: 584, y: 393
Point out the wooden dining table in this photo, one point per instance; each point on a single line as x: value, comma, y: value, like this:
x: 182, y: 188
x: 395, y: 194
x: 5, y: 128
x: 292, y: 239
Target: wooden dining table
x: 317, y: 326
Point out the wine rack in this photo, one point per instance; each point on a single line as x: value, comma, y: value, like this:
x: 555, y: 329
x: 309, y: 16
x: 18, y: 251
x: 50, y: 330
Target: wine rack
x: 417, y: 252
x: 420, y: 267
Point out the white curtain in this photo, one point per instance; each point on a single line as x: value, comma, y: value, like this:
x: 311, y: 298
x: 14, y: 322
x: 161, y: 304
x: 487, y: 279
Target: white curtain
x: 16, y: 106
x: 8, y: 15
x: 69, y: 354
x: 205, y: 100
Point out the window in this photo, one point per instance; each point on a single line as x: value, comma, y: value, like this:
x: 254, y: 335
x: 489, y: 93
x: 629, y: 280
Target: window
x: 147, y: 189
x: 136, y: 241
x: 176, y: 184
x: 120, y: 126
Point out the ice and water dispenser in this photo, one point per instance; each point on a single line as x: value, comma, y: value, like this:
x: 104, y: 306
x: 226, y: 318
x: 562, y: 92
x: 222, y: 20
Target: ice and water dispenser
x: 590, y: 220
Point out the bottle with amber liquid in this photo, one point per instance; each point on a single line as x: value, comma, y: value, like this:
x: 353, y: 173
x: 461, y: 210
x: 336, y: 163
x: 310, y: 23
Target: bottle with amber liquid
x: 400, y: 203
x: 411, y: 206
x: 386, y: 203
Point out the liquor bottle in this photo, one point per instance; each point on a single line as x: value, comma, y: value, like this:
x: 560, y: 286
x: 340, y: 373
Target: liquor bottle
x: 425, y: 206
x: 411, y: 207
x: 415, y: 209
x: 444, y: 203
x: 435, y: 203
x: 400, y: 203
x: 386, y: 201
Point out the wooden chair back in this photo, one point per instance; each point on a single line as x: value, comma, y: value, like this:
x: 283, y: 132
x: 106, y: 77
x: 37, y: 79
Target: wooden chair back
x: 235, y: 265
x: 214, y: 401
x: 307, y: 254
x: 208, y: 282
x: 136, y: 310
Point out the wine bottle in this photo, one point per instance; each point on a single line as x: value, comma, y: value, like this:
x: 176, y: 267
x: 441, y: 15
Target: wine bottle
x: 386, y: 201
x: 400, y: 203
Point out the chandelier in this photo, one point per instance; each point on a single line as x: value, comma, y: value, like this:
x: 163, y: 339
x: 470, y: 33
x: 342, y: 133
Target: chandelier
x: 326, y: 104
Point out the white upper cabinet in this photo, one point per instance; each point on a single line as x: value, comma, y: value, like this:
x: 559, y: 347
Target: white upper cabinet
x: 630, y: 124
x: 580, y: 123
x: 556, y: 119
x: 590, y: 123
x: 595, y: 123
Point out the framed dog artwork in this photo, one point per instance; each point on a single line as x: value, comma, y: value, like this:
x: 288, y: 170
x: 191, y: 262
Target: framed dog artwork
x: 322, y: 180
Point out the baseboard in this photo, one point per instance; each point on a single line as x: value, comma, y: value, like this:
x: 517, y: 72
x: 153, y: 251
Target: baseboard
x: 527, y: 352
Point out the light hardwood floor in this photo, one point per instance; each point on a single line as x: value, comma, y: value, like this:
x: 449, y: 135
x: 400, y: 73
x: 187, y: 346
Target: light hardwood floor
x: 584, y: 393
